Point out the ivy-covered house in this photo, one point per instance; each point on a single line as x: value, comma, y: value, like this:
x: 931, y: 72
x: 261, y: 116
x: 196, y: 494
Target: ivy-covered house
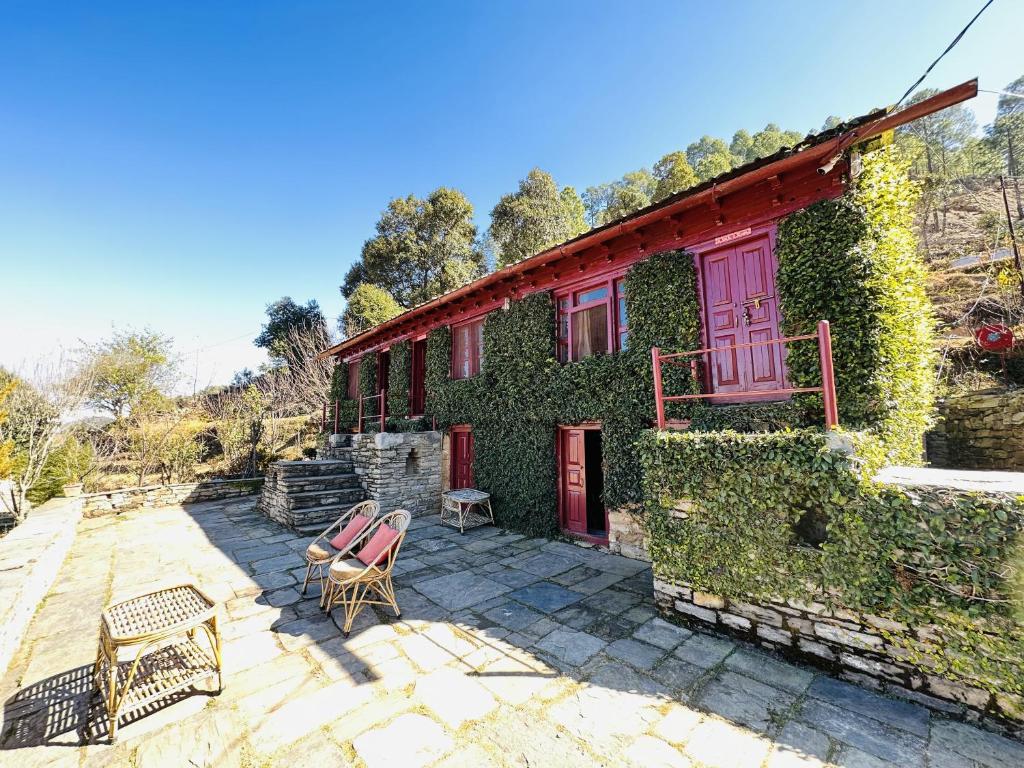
x: 540, y: 374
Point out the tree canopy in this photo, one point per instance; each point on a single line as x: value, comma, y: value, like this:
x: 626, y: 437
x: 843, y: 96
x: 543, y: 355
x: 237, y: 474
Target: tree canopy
x: 127, y: 369
x: 673, y: 173
x: 423, y: 248
x: 282, y: 316
x: 607, y: 202
x: 1006, y: 135
x: 368, y: 305
x: 534, y: 217
x: 709, y: 156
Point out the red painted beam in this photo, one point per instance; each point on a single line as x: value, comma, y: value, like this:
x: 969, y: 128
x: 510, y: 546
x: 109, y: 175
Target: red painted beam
x: 700, y: 196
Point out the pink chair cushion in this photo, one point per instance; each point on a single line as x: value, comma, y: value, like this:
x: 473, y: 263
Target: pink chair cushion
x: 377, y: 547
x: 355, y: 526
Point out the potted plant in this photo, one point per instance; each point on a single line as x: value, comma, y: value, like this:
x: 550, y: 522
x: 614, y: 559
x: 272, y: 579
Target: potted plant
x: 71, y: 490
x: 78, y: 459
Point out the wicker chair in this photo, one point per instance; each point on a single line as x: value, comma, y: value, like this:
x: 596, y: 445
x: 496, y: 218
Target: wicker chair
x: 320, y: 553
x: 355, y: 585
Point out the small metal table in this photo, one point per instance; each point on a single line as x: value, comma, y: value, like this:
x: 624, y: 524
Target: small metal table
x: 466, y: 508
x: 159, y: 631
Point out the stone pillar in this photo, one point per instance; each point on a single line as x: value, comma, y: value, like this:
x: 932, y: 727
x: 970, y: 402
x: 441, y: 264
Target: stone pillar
x: 626, y: 534
x: 400, y: 469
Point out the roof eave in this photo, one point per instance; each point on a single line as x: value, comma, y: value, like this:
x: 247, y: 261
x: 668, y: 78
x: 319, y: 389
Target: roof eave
x: 722, y: 185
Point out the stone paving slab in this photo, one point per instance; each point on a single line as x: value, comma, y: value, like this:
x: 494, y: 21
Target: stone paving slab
x: 509, y: 652
x: 461, y: 590
x: 546, y: 597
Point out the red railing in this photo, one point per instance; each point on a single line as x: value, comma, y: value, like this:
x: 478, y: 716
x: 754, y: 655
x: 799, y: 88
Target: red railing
x: 827, y: 388
x: 382, y: 398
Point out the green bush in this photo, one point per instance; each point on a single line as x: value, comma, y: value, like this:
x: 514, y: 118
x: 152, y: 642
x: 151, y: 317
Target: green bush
x: 854, y: 262
x: 738, y: 515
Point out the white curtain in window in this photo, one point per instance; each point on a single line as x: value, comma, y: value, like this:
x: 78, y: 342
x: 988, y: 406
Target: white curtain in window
x: 590, y: 332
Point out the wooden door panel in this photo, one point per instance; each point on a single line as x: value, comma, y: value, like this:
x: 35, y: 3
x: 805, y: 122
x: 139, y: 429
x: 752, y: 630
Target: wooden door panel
x: 574, y: 481
x: 757, y: 273
x: 462, y: 459
x: 726, y: 363
x: 741, y: 308
x: 719, y: 281
x: 763, y: 360
x: 763, y: 365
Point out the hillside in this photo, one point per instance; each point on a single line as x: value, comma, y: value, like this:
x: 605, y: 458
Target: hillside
x: 963, y: 235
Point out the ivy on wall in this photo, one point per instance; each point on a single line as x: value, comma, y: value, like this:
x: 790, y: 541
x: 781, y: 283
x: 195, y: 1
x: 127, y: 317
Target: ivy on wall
x: 728, y: 514
x: 339, y: 382
x: 523, y: 394
x: 854, y: 262
x: 399, y: 379
x: 368, y: 375
x: 338, y: 397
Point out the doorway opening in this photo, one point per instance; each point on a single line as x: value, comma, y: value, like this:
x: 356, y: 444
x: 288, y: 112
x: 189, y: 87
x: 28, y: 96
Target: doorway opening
x: 595, y: 483
x: 581, y: 480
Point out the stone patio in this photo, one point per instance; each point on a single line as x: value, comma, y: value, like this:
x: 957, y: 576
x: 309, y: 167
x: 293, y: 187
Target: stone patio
x: 510, y: 652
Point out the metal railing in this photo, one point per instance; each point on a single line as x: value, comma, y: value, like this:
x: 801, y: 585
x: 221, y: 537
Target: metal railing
x: 827, y: 388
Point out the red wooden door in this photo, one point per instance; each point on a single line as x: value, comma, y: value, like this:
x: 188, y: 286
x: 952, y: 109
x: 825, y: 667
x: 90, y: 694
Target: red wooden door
x: 742, y: 308
x: 462, y: 458
x: 574, y: 481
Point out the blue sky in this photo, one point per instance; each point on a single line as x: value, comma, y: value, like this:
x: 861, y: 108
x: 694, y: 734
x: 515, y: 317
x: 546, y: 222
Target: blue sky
x: 179, y: 165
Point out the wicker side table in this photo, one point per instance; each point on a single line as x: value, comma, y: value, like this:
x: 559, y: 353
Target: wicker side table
x: 161, y: 629
x: 466, y: 508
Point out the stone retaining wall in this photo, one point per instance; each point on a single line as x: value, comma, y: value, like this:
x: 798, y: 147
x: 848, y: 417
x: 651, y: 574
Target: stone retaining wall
x: 849, y: 645
x: 400, y: 469
x: 30, y: 556
x: 626, y: 534
x: 981, y: 430
x: 152, y: 496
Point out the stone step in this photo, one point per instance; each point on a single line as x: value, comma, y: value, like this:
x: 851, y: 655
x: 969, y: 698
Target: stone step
x: 315, y: 529
x: 308, y: 468
x: 315, y: 519
x: 317, y: 482
x: 339, y: 497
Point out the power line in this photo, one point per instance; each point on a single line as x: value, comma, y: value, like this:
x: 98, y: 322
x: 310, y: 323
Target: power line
x: 219, y: 343
x: 1002, y: 93
x: 949, y: 48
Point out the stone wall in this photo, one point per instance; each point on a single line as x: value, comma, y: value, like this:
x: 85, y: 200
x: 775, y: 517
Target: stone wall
x: 400, y: 469
x: 849, y: 645
x: 151, y: 496
x: 30, y: 557
x: 981, y: 430
x: 627, y: 535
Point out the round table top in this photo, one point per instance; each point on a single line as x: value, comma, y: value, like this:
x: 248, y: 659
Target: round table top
x: 467, y: 495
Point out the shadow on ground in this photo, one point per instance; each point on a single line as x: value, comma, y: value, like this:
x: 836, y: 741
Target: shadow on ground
x: 509, y: 651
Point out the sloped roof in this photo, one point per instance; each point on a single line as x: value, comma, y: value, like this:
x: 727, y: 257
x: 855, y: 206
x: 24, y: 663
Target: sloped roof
x: 814, y: 147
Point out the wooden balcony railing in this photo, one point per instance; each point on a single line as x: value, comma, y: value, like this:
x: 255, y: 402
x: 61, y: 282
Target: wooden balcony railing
x: 827, y: 388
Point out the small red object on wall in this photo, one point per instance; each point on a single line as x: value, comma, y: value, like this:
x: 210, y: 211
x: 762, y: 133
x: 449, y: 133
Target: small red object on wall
x: 994, y: 337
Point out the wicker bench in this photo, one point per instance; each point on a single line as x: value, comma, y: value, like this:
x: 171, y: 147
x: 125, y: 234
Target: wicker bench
x: 161, y: 628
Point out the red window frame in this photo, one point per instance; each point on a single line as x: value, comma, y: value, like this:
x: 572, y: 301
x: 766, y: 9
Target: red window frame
x: 353, y: 379
x: 467, y: 348
x: 568, y: 304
